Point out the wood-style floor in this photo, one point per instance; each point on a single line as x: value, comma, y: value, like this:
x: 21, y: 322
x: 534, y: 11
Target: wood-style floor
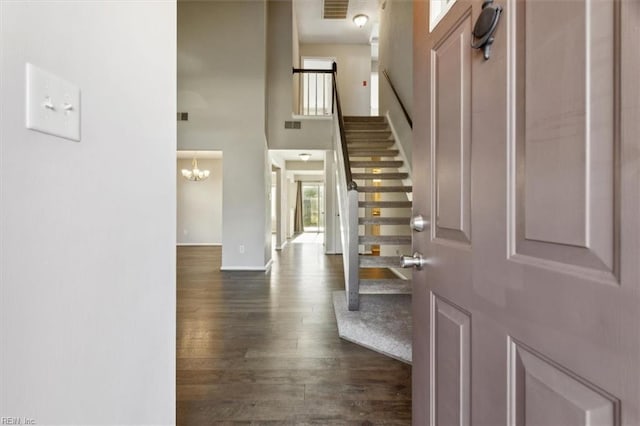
x: 256, y: 348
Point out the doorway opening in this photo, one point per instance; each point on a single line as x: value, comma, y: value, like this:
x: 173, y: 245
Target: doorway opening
x: 199, y: 200
x: 312, y: 202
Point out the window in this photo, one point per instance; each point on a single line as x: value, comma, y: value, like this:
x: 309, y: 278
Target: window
x: 438, y: 9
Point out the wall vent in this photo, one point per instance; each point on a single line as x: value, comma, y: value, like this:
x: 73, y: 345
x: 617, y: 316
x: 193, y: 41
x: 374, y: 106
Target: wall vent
x: 292, y: 124
x: 183, y: 116
x: 335, y: 9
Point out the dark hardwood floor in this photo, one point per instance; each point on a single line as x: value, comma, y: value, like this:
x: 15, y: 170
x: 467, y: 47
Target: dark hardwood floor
x: 256, y: 348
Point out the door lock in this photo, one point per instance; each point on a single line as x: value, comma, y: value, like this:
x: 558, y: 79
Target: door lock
x: 418, y: 223
x: 415, y: 261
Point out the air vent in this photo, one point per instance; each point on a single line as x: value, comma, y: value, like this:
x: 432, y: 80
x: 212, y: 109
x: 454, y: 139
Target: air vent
x: 292, y: 124
x: 335, y: 9
x: 183, y: 116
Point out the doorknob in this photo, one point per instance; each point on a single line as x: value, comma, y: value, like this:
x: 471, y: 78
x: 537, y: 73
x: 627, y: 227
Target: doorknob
x: 418, y: 223
x: 415, y: 261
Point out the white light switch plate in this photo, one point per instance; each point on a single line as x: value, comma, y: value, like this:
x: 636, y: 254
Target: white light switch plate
x: 53, y: 104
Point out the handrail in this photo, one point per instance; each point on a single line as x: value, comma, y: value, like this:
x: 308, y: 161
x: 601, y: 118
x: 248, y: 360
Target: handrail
x: 395, y: 92
x: 311, y: 70
x: 334, y: 70
x: 343, y: 138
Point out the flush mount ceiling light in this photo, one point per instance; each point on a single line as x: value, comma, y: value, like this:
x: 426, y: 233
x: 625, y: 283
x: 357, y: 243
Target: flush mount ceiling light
x: 195, y: 174
x: 360, y: 20
x: 304, y: 156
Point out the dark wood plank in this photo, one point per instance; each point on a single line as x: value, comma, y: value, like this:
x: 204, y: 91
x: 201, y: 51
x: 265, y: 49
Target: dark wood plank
x: 256, y: 348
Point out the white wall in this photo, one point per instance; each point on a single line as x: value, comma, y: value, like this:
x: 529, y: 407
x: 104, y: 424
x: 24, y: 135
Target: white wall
x: 354, y: 67
x: 87, y: 246
x: 222, y: 85
x: 200, y: 205
x: 279, y: 63
x: 332, y: 243
x: 282, y: 203
x: 396, y: 56
x: 268, y: 240
x: 296, y: 57
x: 292, y: 187
x: 282, y: 89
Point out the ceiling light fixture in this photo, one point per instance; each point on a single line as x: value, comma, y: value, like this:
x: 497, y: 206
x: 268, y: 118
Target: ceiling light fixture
x: 360, y: 20
x: 195, y: 174
x: 304, y: 156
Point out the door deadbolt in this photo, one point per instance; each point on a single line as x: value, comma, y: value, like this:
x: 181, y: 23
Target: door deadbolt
x: 418, y: 223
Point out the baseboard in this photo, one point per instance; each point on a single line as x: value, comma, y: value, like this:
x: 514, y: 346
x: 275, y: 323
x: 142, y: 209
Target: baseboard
x: 283, y: 245
x: 199, y: 244
x: 264, y: 268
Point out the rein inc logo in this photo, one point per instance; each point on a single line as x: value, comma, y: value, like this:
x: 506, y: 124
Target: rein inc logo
x: 17, y: 421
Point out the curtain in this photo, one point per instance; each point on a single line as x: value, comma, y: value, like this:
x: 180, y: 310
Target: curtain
x: 298, y: 226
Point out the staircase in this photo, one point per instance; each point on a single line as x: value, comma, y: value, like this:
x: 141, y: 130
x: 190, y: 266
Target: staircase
x: 382, y: 319
x: 385, y: 206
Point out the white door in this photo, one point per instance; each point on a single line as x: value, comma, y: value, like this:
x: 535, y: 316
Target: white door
x: 527, y: 166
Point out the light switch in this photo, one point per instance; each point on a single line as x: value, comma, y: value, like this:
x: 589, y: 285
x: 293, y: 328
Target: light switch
x: 53, y: 104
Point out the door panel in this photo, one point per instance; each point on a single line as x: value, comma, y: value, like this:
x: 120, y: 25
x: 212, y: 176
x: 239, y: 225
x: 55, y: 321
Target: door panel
x: 450, y: 370
x: 542, y: 393
x: 528, y: 167
x: 565, y: 132
x: 451, y: 97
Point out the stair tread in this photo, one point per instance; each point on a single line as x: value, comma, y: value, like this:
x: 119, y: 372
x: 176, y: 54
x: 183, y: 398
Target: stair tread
x: 367, y: 261
x: 379, y: 163
x: 364, y: 118
x: 392, y: 176
x: 362, y: 154
x: 385, y: 286
x: 377, y: 146
x: 378, y: 189
x: 382, y: 204
x: 384, y: 220
x: 385, y: 280
x: 368, y: 136
x: 383, y: 147
x: 373, y: 142
x: 369, y: 143
x: 385, y: 239
x: 369, y: 130
x: 366, y: 126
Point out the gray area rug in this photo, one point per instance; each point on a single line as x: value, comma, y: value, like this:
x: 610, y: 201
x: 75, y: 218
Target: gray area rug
x: 382, y: 324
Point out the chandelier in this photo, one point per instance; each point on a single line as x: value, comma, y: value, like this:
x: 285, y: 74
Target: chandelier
x: 195, y: 174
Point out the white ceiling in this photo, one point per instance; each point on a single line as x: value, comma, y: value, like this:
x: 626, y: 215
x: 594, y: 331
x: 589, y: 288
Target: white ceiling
x: 199, y: 154
x: 312, y: 28
x: 294, y: 154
